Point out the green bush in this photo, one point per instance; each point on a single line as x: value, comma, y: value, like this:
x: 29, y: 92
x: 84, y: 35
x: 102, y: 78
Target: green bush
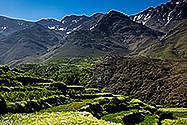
x: 102, y: 100
x: 150, y: 108
x: 133, y: 118
x: 69, y: 71
x: 3, y: 106
x: 96, y: 110
x: 164, y: 115
x: 111, y: 108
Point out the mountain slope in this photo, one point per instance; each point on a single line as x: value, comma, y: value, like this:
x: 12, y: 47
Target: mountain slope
x: 34, y: 41
x: 9, y: 26
x: 41, y: 40
x: 163, y: 17
x: 115, y: 34
x: 173, y: 45
x: 150, y: 80
x: 66, y: 25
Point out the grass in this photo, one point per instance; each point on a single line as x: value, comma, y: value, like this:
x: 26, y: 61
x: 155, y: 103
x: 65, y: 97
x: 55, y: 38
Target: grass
x: 177, y: 112
x: 117, y: 118
x: 180, y: 115
x: 70, y: 106
x: 66, y: 114
x: 179, y: 121
x: 54, y: 118
x: 149, y: 120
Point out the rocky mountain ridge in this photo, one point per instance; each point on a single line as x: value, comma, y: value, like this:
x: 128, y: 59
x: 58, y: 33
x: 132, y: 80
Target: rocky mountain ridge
x: 9, y: 26
x: 163, y: 17
x: 80, y: 36
x: 115, y: 33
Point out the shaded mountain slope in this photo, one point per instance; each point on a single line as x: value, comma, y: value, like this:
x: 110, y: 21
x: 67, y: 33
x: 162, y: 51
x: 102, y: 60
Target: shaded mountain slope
x: 116, y: 34
x: 9, y: 26
x: 151, y: 80
x: 30, y: 42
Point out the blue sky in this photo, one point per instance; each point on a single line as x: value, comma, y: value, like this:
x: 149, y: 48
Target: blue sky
x: 34, y: 10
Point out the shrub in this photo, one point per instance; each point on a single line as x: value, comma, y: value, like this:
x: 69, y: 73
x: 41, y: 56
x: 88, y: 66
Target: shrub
x: 96, y: 110
x: 85, y: 108
x: 3, y: 106
x: 102, y: 100
x: 150, y: 108
x: 164, y: 115
x: 137, y: 101
x: 111, y: 108
x: 123, y: 107
x: 115, y: 100
x: 35, y: 105
x: 123, y: 99
x: 60, y: 86
x: 133, y: 118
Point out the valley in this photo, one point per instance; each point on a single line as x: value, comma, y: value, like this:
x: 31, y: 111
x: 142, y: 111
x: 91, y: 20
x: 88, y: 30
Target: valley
x: 106, y: 69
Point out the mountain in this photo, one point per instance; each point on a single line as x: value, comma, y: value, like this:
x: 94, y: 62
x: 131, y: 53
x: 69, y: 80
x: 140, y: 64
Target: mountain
x: 163, y: 17
x: 9, y: 26
x: 92, y: 22
x: 71, y: 23
x: 35, y: 41
x: 173, y: 45
x: 76, y: 36
x: 115, y: 34
x: 156, y: 32
x: 66, y: 25
x: 38, y: 41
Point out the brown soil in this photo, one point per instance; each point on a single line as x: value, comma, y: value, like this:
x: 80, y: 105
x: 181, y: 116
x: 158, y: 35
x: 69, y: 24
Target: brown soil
x: 150, y: 80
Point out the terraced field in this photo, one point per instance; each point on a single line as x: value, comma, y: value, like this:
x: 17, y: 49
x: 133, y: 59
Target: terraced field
x: 27, y: 98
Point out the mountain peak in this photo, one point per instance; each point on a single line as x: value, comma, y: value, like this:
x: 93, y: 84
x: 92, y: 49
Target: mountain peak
x: 161, y: 16
x: 114, y: 16
x: 97, y: 15
x: 74, y: 17
x: 114, y: 13
x: 178, y: 0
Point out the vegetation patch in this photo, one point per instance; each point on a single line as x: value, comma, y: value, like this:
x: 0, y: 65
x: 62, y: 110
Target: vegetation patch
x: 54, y: 118
x: 72, y: 71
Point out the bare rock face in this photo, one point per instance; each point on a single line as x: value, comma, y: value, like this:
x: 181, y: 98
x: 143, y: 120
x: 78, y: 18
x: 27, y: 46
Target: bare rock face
x: 150, y: 80
x: 163, y: 17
